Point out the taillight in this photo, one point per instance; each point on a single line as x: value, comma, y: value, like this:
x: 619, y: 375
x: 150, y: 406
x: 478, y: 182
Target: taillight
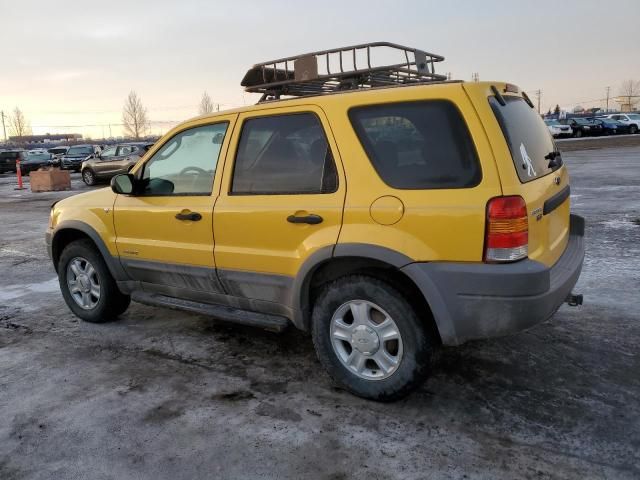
x: 507, y: 231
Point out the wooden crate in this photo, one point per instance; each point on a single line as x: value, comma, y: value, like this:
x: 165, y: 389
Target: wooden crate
x: 50, y: 180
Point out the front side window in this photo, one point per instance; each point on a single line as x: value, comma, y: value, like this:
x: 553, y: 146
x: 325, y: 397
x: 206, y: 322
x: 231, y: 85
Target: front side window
x: 418, y: 145
x: 186, y: 164
x: 109, y: 152
x: 283, y: 154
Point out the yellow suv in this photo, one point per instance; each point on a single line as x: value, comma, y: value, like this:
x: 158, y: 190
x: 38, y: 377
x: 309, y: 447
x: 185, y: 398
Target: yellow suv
x: 382, y: 209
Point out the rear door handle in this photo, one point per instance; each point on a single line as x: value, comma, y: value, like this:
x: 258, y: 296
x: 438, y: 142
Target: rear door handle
x: 193, y: 216
x: 311, y: 219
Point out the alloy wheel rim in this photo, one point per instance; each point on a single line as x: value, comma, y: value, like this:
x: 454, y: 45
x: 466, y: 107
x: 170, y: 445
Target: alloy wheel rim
x: 83, y: 283
x: 366, y: 340
x: 88, y: 177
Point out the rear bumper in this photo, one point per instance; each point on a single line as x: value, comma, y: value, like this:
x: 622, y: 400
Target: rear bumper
x: 475, y: 301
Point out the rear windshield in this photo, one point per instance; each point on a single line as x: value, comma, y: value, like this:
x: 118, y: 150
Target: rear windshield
x: 527, y: 136
x: 38, y: 156
x: 418, y: 145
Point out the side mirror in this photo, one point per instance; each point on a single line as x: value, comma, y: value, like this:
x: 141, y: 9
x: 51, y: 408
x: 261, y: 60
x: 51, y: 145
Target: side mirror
x: 122, y: 184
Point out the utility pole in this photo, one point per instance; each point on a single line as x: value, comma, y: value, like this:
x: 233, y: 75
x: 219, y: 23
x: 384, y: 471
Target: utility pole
x: 608, y: 92
x: 475, y: 77
x: 538, y: 97
x: 4, y: 129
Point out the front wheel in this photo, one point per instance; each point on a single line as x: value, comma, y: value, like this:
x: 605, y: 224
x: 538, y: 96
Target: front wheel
x: 87, y: 285
x: 369, y: 338
x: 633, y: 130
x: 578, y: 134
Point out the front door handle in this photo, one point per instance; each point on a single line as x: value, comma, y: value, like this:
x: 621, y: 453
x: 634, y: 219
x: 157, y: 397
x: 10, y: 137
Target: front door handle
x: 193, y: 216
x: 311, y: 219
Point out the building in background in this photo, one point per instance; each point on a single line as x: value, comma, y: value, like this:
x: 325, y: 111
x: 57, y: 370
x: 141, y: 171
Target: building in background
x: 46, y: 138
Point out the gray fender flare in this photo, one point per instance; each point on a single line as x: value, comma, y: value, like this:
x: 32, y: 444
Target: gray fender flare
x: 300, y: 290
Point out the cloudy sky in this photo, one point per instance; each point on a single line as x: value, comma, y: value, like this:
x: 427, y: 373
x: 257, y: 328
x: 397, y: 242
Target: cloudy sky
x: 70, y: 64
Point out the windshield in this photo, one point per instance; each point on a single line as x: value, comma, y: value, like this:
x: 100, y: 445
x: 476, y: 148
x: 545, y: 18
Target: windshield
x: 527, y: 136
x: 80, y: 151
x: 634, y: 116
x: 581, y: 121
x: 552, y: 122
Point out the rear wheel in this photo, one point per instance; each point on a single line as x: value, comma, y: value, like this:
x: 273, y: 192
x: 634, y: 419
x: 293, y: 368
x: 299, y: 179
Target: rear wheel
x: 88, y: 176
x: 633, y: 130
x: 370, y: 339
x: 578, y: 133
x: 87, y: 285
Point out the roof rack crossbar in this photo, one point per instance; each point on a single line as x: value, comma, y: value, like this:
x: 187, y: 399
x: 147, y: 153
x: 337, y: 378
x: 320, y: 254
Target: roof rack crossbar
x: 276, y: 77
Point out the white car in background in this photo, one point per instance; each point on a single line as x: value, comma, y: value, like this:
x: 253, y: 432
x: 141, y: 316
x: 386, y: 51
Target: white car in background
x: 558, y: 129
x: 631, y: 119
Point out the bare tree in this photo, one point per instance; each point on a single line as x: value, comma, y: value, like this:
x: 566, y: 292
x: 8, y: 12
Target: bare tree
x: 630, y: 94
x: 134, y: 117
x: 18, y: 124
x: 206, y: 105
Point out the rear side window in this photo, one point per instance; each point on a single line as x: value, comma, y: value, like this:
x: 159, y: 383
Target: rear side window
x: 528, y: 138
x: 418, y: 145
x: 283, y: 154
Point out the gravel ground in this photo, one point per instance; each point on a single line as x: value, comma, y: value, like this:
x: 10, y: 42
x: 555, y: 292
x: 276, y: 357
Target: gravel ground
x: 163, y: 394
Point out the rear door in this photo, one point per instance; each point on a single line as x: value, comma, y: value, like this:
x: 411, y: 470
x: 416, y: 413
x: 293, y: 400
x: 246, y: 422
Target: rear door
x: 529, y: 167
x: 120, y: 162
x: 281, y: 200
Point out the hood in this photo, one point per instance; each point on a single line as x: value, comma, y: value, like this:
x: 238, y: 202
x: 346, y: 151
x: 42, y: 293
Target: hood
x: 101, y: 198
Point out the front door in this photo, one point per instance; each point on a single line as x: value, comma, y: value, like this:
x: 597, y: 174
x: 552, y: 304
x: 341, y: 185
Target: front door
x: 165, y: 231
x: 281, y: 201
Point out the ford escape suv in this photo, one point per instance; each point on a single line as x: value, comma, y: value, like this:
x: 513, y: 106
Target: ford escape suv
x: 382, y: 209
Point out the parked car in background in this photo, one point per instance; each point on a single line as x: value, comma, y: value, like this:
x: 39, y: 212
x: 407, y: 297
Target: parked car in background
x: 57, y: 153
x: 558, y: 130
x: 35, y: 159
x: 583, y: 128
x: 631, y: 119
x: 72, y: 160
x: 8, y: 159
x: 610, y: 126
x: 112, y: 161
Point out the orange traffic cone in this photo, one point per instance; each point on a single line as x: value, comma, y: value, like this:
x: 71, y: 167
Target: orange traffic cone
x: 19, y: 173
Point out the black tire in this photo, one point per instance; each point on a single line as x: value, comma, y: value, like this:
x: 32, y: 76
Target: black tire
x: 578, y: 134
x: 111, y: 302
x: 633, y: 129
x: 89, y: 177
x: 418, y: 344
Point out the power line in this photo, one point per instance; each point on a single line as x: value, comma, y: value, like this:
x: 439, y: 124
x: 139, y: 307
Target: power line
x: 538, y: 94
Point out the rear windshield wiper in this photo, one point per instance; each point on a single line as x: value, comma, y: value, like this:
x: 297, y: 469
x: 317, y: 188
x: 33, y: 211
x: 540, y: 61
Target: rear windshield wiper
x: 555, y: 159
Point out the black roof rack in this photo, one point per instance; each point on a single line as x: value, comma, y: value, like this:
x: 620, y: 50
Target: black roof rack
x: 345, y: 68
